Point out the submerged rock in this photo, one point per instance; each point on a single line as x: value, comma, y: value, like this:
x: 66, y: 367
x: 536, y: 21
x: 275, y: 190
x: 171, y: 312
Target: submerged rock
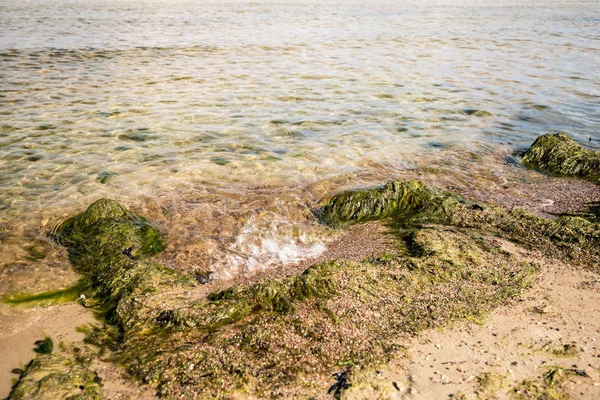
x: 51, y: 376
x: 559, y: 154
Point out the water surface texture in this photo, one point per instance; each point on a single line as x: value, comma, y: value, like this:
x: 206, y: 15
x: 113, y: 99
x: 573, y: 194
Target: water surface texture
x: 194, y: 105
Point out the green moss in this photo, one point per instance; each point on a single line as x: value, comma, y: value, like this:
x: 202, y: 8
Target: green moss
x: 535, y: 390
x: 489, y: 384
x: 407, y: 201
x: 44, y: 346
x: 559, y: 154
x: 50, y: 297
x: 50, y: 376
x: 264, y: 339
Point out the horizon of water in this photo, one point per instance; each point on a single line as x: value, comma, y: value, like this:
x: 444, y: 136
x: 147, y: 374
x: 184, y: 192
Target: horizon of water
x: 225, y: 118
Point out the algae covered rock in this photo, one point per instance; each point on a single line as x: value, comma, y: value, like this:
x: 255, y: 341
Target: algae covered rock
x: 108, y: 230
x: 51, y: 376
x: 408, y: 200
x: 559, y: 154
x: 285, y: 337
x: 108, y: 243
x: 409, y: 204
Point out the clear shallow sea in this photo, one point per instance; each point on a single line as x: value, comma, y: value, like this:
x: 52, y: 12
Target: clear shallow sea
x: 227, y: 121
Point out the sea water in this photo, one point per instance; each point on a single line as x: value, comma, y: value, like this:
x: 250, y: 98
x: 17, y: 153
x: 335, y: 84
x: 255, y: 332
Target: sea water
x: 227, y: 121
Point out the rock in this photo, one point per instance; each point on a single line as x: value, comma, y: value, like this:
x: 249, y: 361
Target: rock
x: 107, y: 230
x: 408, y: 200
x: 264, y: 338
x: 50, y: 376
x: 559, y: 154
x: 105, y: 176
x: 478, y: 113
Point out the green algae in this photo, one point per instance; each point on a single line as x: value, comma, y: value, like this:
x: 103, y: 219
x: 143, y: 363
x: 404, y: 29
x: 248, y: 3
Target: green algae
x: 261, y: 338
x: 51, y: 376
x: 530, y: 389
x: 106, y: 229
x: 44, y: 346
x: 264, y: 337
x: 559, y: 154
x: 558, y: 349
x: 68, y: 294
x: 35, y: 253
x: 549, y: 386
x: 489, y: 384
x: 411, y: 203
x: 454, y: 260
x: 408, y: 201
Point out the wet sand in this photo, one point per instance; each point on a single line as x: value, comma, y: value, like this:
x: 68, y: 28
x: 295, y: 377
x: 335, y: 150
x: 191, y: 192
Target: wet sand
x: 22, y: 327
x: 563, y: 307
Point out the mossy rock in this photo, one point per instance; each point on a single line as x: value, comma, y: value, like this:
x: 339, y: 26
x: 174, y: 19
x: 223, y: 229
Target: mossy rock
x: 51, y: 376
x: 107, y: 230
x: 559, y: 154
x: 410, y: 204
x: 108, y: 244
x: 279, y: 335
x: 409, y: 201
x: 284, y: 337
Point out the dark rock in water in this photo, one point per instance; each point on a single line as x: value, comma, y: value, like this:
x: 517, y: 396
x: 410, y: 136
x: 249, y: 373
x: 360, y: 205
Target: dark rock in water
x: 478, y: 113
x: 50, y: 376
x: 559, y: 154
x: 104, y: 177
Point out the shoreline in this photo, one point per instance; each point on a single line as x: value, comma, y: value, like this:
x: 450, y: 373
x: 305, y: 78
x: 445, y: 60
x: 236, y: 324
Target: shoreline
x: 370, y: 240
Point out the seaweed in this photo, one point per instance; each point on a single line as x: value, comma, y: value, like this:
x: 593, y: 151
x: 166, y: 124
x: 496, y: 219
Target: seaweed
x: 67, y: 294
x: 265, y: 339
x: 559, y: 154
x: 407, y: 201
x: 44, y: 346
x: 52, y: 376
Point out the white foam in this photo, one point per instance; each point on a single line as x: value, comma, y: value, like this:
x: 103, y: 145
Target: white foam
x: 263, y: 244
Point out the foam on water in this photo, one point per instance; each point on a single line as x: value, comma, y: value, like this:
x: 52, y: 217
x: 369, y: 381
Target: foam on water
x: 263, y: 245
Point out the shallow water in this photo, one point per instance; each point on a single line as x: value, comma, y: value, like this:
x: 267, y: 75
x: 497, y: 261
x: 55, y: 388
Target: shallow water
x: 226, y: 123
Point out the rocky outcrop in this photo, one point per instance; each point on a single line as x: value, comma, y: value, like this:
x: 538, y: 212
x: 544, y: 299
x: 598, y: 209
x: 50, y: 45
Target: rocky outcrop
x: 559, y: 154
x: 285, y: 337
